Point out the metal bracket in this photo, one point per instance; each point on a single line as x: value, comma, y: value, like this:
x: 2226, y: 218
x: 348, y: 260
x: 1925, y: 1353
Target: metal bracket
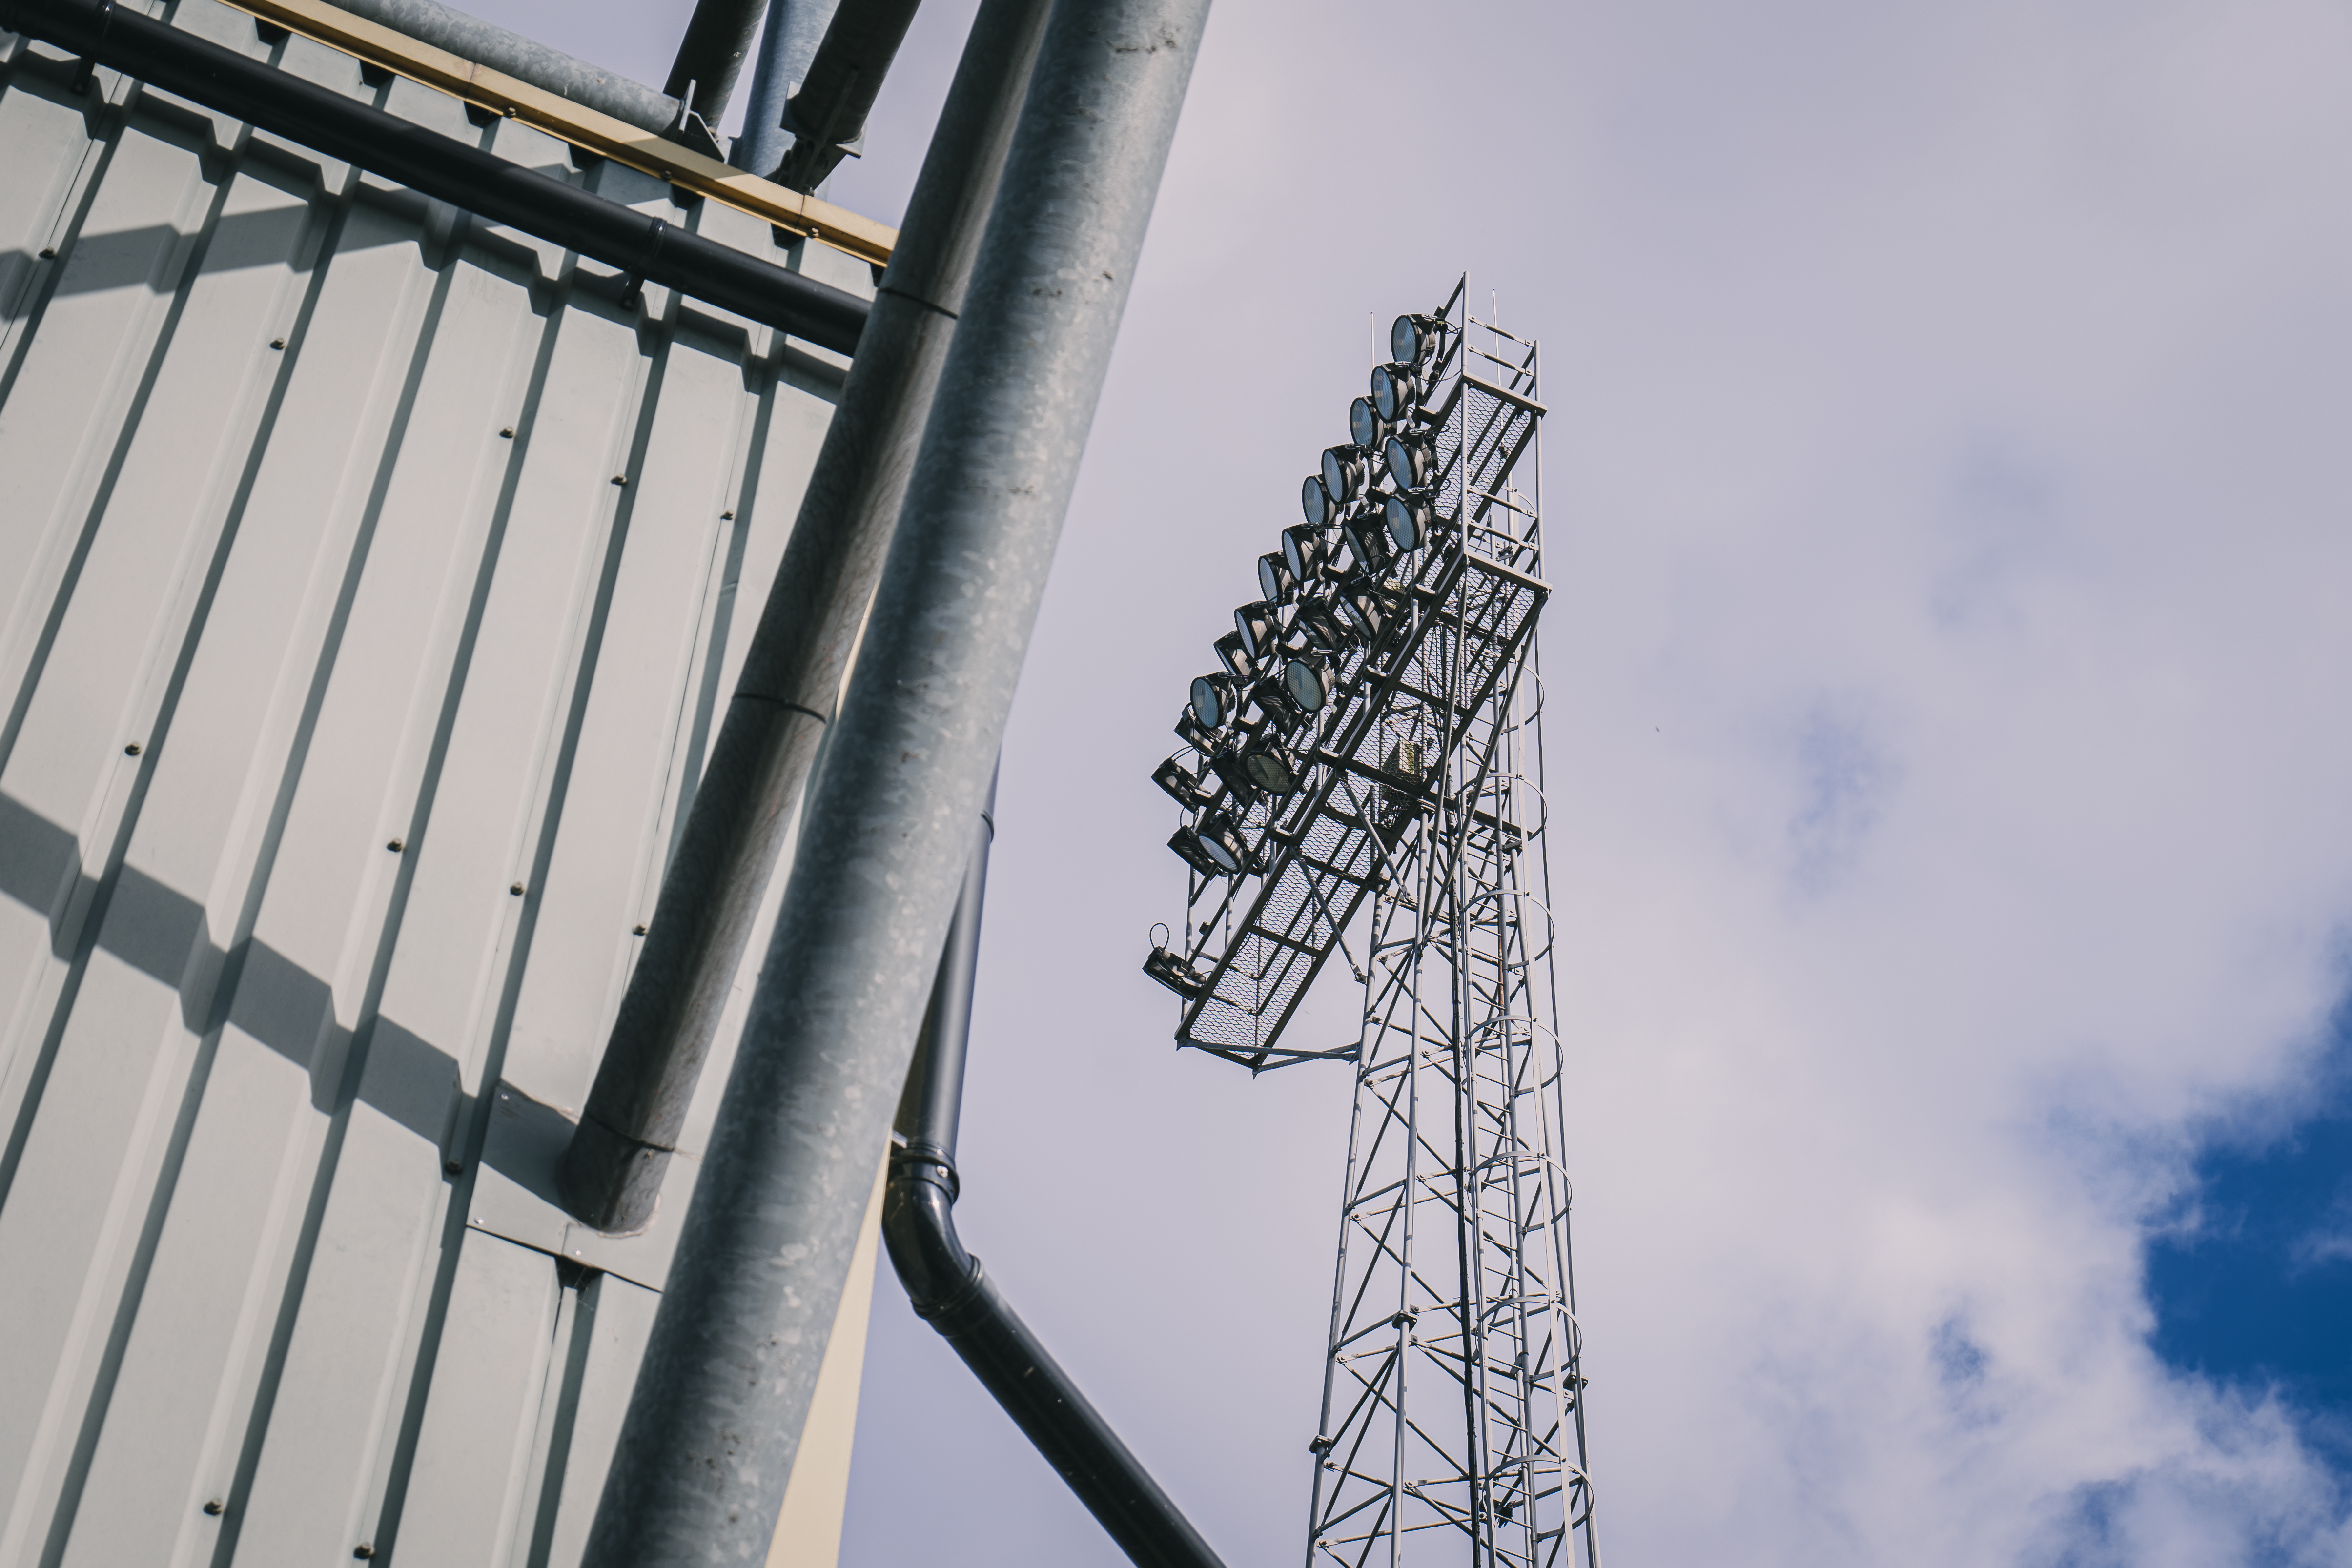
x: 633, y: 283
x: 86, y: 69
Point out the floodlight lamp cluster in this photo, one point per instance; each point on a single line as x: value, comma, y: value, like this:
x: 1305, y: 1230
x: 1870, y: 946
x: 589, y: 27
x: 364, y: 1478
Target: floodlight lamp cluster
x: 1330, y: 599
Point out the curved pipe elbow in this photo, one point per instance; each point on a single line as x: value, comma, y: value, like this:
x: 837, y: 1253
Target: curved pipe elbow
x: 918, y: 1227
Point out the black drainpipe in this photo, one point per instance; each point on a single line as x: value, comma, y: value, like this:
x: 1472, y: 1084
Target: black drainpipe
x: 954, y: 1296
x: 645, y: 249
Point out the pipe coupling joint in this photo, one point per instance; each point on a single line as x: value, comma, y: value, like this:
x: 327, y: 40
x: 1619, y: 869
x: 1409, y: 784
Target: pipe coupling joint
x: 921, y: 1161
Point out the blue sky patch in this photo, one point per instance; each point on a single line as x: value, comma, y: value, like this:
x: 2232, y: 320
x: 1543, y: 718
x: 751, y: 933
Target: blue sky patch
x: 2251, y: 1281
x: 1845, y: 779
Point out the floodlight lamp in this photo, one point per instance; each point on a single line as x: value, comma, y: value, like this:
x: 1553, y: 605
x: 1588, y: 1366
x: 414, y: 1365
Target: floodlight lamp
x: 1187, y: 844
x: 1370, y: 611
x: 1183, y: 787
x: 1322, y: 630
x: 1410, y: 457
x: 1222, y: 843
x: 1256, y: 624
x: 1215, y: 701
x: 1276, y: 581
x: 1226, y: 764
x: 1171, y: 971
x: 1189, y: 730
x: 1236, y: 658
x: 1407, y: 515
x: 1393, y: 392
x: 1365, y: 425
x: 1272, y: 768
x: 1307, y: 683
x: 1413, y: 339
x: 1274, y: 701
x: 1302, y: 548
x: 1408, y: 518
x: 1368, y: 541
x: 1343, y: 474
x: 1315, y: 501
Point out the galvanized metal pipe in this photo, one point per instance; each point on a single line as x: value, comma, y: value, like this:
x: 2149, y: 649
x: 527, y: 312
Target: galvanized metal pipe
x: 954, y: 1294
x: 795, y: 28
x: 442, y: 167
x: 828, y: 115
x: 613, y: 1168
x: 724, y: 1392
x: 525, y: 59
x: 711, y: 55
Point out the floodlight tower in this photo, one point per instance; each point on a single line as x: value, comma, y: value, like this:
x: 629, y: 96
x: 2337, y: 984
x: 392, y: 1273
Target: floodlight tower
x: 1366, y: 768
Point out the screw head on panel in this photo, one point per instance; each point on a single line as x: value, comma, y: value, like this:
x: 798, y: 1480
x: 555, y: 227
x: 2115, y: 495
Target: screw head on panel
x: 48, y: 254
x: 620, y: 478
x: 395, y: 846
x: 640, y: 930
x: 277, y: 342
x: 508, y: 434
x: 454, y: 1167
x: 132, y: 749
x: 213, y: 1508
x: 516, y: 890
x: 726, y: 517
x: 362, y: 1550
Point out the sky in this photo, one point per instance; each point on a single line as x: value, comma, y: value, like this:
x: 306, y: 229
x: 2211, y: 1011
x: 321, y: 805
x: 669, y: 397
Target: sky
x: 1947, y: 487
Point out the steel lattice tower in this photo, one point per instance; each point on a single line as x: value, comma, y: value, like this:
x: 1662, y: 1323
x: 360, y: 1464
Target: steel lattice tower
x: 1453, y: 1422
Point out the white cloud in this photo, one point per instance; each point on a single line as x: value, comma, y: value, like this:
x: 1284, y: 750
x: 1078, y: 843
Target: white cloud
x: 1949, y: 484
x: 1845, y: 777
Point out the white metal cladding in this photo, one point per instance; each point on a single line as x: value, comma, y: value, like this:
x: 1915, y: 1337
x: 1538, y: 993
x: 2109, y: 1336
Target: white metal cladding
x: 371, y: 583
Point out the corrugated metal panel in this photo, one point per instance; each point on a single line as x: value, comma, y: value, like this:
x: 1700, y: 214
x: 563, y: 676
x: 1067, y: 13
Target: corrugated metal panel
x: 372, y: 581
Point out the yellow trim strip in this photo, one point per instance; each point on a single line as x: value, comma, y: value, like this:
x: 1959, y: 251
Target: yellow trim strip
x: 581, y: 127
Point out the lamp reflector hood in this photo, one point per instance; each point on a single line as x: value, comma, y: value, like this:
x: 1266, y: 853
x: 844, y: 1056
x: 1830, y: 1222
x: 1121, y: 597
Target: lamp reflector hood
x: 1276, y: 581
x: 1393, y: 392
x: 1215, y: 701
x: 1315, y: 501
